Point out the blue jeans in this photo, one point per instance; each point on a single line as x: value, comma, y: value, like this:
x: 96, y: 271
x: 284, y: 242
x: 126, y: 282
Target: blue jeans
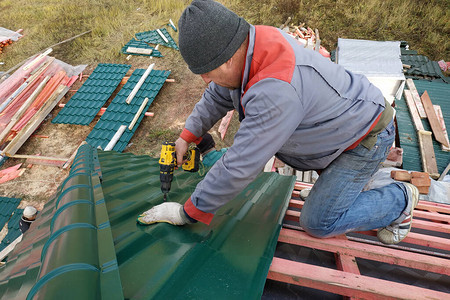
x: 336, y: 203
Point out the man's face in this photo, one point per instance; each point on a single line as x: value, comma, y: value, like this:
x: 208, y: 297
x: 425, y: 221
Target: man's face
x: 225, y: 75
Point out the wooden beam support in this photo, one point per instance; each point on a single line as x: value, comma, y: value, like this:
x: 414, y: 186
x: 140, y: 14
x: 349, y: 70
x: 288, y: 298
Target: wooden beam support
x: 345, y: 283
x: 39, y: 157
x: 72, y: 157
x: 376, y: 253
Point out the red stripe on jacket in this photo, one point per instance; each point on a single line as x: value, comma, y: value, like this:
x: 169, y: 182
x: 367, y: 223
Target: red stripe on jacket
x: 273, y: 57
x: 196, y: 213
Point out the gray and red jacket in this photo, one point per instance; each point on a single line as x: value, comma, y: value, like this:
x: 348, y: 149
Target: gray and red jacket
x: 293, y: 103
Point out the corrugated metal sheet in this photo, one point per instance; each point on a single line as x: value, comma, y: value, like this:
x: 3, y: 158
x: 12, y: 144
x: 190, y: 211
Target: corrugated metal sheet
x: 7, y: 206
x: 13, y: 229
x: 68, y: 253
x: 153, y: 37
x: 228, y: 259
x: 92, y: 95
x: 142, y: 45
x: 439, y: 94
x: 120, y: 113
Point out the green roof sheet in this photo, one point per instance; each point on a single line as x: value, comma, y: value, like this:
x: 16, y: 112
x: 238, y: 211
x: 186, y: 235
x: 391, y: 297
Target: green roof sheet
x: 13, y: 229
x: 7, y: 206
x: 422, y: 66
x: 92, y: 95
x: 439, y: 94
x: 120, y: 113
x: 153, y: 37
x: 87, y: 236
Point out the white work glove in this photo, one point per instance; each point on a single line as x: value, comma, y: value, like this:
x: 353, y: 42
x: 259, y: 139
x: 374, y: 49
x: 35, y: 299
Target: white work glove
x: 169, y: 212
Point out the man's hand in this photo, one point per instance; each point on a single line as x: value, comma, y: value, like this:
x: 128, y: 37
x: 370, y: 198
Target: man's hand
x: 181, y: 147
x: 169, y: 212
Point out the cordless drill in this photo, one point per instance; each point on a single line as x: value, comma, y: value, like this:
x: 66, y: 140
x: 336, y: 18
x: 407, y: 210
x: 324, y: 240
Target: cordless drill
x: 168, y: 162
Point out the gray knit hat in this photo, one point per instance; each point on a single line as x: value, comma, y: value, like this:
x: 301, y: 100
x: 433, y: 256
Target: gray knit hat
x: 209, y: 35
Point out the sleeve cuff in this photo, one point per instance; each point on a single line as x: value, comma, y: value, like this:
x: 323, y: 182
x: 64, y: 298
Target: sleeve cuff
x: 190, y: 137
x: 194, y: 213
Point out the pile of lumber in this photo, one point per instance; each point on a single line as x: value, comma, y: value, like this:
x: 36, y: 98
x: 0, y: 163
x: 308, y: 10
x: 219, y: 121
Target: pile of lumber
x: 421, y: 107
x: 27, y: 97
x: 306, y: 36
x: 5, y: 43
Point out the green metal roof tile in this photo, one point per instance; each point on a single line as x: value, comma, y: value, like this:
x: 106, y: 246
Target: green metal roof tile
x: 120, y: 113
x: 79, y: 247
x: 13, y: 229
x: 7, y: 206
x: 92, y: 95
x: 230, y: 258
x: 153, y: 37
x: 142, y: 45
x: 422, y: 66
x: 439, y: 94
x: 95, y: 244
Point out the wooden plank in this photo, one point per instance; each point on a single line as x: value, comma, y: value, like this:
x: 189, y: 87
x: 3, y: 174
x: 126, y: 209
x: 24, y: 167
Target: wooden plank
x: 52, y: 163
x: 429, y: 164
x: 432, y: 216
x: 302, y: 185
x: 38, y: 157
x: 345, y: 283
x: 296, y: 203
x: 432, y: 226
x: 22, y: 109
x: 433, y: 206
x: 376, y: 253
x: 416, y: 97
x: 413, y: 110
x: 292, y: 215
x: 440, y: 116
x: 433, y: 119
x: 34, y: 122
x: 420, y: 240
x: 72, y: 157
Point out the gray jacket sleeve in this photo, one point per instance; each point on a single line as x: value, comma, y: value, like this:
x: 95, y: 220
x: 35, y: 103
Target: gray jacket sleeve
x: 214, y: 105
x: 272, y: 113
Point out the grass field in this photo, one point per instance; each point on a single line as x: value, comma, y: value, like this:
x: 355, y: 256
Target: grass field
x: 424, y: 24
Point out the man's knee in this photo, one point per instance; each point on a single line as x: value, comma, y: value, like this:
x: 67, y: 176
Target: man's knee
x: 315, y: 227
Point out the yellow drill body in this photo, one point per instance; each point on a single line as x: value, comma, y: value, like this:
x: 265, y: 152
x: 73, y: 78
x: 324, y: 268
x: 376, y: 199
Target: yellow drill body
x: 168, y: 162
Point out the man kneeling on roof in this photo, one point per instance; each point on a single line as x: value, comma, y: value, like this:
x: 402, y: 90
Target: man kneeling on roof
x: 297, y: 105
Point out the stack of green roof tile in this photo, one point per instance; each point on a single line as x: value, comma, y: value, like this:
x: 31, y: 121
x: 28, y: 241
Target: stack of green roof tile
x: 13, y: 229
x: 120, y: 113
x: 92, y: 95
x: 7, y: 206
x: 153, y: 37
